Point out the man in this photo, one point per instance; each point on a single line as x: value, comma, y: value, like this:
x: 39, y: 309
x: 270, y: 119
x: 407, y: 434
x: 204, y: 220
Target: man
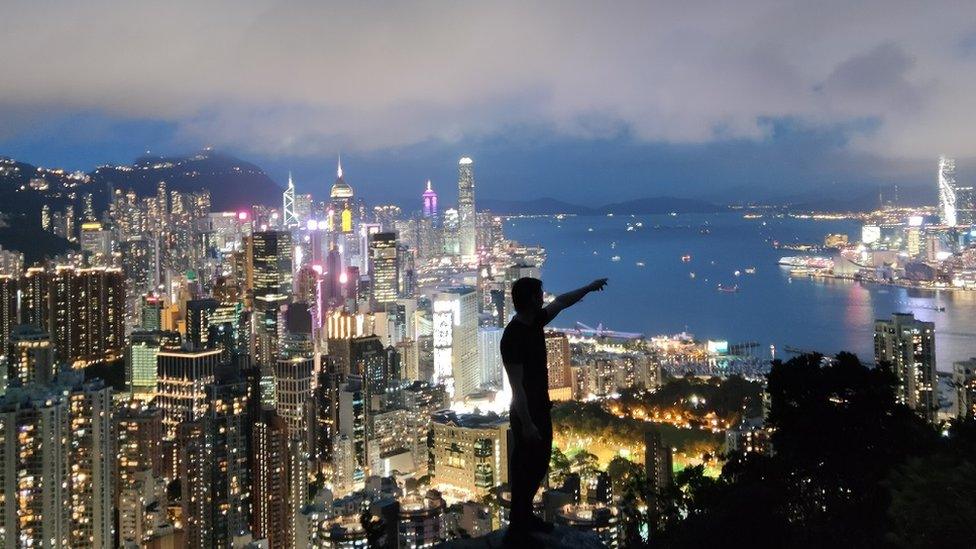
x: 523, y: 349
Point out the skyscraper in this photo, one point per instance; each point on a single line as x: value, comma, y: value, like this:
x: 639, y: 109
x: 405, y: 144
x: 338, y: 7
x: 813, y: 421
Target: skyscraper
x: 271, y: 479
x: 430, y: 201
x: 82, y: 309
x: 908, y: 345
x: 270, y: 255
x: 947, y: 191
x: 215, y: 480
x: 8, y: 310
x: 181, y: 393
x: 34, y: 453
x: 384, y: 268
x: 455, y: 318
x: 560, y: 368
x: 290, y: 217
x: 340, y: 205
x: 657, y: 462
x: 466, y: 209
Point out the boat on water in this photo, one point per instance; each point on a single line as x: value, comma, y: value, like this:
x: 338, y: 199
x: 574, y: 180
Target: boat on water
x: 615, y: 258
x: 692, y: 274
x: 640, y: 263
x: 686, y: 258
x: 728, y: 289
x: 750, y: 270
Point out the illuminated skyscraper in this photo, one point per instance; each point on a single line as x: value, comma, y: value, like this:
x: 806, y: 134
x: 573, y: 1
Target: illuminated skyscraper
x: 82, y: 309
x: 181, y: 393
x: 455, y: 318
x: 908, y: 345
x: 466, y: 210
x: 947, y: 191
x: 8, y: 310
x: 215, y: 479
x: 560, y: 380
x: 34, y: 493
x: 384, y: 269
x: 290, y: 219
x: 31, y: 355
x: 91, y: 462
x: 272, y: 279
x: 271, y: 479
x: 340, y: 203
x: 430, y: 201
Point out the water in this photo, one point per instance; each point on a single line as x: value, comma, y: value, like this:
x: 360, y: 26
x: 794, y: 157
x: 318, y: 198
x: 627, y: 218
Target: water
x: 769, y: 307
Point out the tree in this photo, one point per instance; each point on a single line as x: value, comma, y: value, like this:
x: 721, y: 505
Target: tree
x: 838, y: 433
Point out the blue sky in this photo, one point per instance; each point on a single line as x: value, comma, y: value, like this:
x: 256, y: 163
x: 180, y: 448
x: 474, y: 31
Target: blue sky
x: 574, y: 100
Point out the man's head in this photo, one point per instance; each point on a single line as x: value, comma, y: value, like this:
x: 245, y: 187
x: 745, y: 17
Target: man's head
x: 527, y: 295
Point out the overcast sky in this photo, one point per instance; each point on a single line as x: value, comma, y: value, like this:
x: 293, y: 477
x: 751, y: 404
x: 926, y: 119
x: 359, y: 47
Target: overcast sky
x: 640, y: 98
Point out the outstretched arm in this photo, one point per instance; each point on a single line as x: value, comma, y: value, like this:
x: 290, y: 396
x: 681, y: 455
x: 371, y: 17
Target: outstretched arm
x: 569, y: 299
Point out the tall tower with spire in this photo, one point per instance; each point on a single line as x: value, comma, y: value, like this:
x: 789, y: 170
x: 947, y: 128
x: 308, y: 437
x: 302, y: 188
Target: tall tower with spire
x: 288, y: 206
x: 341, y: 202
x: 466, y: 212
x: 430, y: 201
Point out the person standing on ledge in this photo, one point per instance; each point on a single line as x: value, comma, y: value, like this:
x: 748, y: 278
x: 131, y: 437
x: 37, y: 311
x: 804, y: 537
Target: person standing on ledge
x: 523, y: 349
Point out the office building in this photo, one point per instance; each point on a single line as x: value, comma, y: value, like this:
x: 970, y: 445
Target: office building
x: 455, y: 319
x: 466, y: 211
x: 384, y: 268
x: 183, y: 376
x: 140, y: 363
x: 469, y: 452
x: 908, y: 346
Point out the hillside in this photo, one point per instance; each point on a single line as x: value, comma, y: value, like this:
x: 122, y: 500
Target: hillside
x: 232, y: 182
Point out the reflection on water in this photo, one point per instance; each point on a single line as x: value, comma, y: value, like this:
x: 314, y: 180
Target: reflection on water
x: 769, y: 307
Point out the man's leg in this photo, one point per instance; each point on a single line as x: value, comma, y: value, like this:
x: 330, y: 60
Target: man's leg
x: 519, y: 481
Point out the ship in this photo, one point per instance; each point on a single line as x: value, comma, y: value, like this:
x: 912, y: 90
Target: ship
x: 686, y: 258
x: 807, y: 261
x: 728, y: 289
x: 750, y: 270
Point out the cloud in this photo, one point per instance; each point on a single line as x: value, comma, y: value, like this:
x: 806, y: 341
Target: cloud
x: 303, y: 78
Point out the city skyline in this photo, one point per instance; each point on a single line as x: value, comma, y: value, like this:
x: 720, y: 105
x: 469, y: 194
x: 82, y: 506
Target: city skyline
x: 300, y: 275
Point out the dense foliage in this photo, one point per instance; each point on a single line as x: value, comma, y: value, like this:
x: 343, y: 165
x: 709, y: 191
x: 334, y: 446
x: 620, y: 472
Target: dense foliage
x: 851, y: 468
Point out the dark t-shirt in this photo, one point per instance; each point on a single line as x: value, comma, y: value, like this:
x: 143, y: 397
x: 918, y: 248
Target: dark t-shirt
x: 525, y: 344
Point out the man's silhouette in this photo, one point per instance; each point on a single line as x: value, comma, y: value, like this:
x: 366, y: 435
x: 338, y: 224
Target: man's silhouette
x: 523, y: 350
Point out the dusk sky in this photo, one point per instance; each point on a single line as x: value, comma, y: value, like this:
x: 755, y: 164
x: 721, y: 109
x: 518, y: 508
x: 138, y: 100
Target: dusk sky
x: 562, y: 99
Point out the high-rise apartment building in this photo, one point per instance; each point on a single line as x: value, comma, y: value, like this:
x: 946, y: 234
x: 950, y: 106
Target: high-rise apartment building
x: 908, y: 345
x: 92, y: 454
x: 31, y: 355
x: 82, y: 309
x: 270, y: 479
x: 215, y: 479
x: 34, y: 479
x: 560, y: 367
x: 8, y: 310
x: 468, y: 222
